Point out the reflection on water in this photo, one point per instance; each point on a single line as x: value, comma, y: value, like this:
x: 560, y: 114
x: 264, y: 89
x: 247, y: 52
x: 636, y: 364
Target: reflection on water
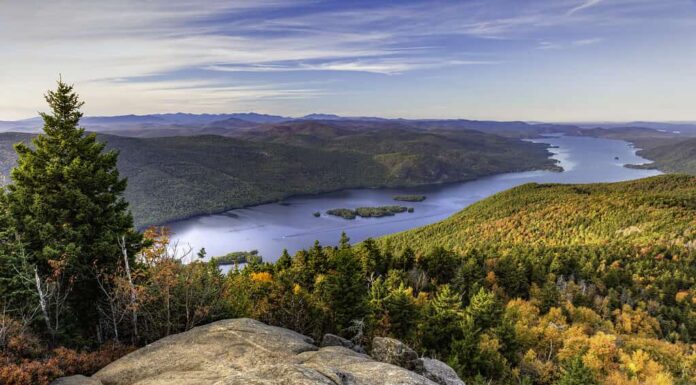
x: 272, y: 227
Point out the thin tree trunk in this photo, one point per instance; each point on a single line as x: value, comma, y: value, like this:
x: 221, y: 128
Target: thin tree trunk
x: 42, y: 301
x: 133, y: 299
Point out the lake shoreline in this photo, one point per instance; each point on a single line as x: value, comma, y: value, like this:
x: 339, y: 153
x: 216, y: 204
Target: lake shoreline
x: 331, y: 191
x: 555, y: 168
x: 291, y: 225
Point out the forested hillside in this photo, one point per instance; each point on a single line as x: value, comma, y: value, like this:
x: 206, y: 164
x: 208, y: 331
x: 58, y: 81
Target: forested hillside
x: 539, y: 285
x: 656, y: 212
x: 543, y: 284
x: 671, y: 155
x: 177, y: 177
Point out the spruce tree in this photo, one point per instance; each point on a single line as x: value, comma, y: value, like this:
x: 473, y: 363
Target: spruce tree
x: 576, y: 373
x: 67, y: 200
x: 13, y: 291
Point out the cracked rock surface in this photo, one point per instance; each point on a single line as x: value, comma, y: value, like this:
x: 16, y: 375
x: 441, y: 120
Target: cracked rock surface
x: 247, y: 352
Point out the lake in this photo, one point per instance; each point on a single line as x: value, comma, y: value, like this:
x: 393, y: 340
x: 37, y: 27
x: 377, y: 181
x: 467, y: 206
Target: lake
x: 290, y: 225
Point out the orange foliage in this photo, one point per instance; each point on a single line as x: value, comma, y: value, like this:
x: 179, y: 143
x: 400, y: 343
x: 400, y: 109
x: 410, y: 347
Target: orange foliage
x: 60, y: 362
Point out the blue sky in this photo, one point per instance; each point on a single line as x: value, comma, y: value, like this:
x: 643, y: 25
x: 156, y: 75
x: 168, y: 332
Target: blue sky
x: 554, y: 60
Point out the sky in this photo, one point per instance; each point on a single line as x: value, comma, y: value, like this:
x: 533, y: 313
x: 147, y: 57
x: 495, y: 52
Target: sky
x: 542, y: 60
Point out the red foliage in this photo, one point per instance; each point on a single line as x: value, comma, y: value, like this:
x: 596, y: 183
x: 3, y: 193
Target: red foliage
x: 60, y: 362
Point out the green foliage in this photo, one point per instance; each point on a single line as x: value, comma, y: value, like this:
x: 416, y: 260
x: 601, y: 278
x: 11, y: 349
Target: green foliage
x: 614, y: 310
x: 13, y: 292
x: 576, y: 373
x: 238, y: 257
x: 178, y: 177
x: 380, y: 211
x: 542, y: 284
x: 637, y: 213
x: 409, y: 198
x: 670, y: 155
x: 343, y: 290
x: 439, y: 264
x: 441, y: 323
x: 368, y: 212
x: 484, y: 309
x: 67, y: 202
x: 343, y: 213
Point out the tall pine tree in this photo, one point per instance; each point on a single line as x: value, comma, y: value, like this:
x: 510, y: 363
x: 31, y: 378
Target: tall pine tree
x: 67, y: 200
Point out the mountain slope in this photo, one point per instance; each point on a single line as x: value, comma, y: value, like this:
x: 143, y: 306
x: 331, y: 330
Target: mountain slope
x: 177, y: 177
x: 652, y: 212
x: 671, y: 155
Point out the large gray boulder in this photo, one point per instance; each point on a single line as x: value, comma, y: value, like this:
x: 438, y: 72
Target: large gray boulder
x: 440, y: 372
x: 248, y: 352
x: 395, y: 352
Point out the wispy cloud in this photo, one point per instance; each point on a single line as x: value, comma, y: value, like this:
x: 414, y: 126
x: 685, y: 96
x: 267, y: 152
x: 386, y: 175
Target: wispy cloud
x: 549, y: 45
x: 586, y: 4
x: 594, y: 40
x: 129, y: 55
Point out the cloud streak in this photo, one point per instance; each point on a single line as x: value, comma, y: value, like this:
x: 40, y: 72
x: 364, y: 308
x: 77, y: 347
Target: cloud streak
x: 125, y: 55
x: 585, y: 5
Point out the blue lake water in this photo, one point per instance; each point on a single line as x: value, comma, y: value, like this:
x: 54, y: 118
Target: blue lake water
x: 270, y: 228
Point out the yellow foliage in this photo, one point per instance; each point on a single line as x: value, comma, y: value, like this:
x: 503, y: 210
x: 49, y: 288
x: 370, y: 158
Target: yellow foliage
x: 681, y: 296
x: 602, y: 353
x: 263, y: 277
x: 422, y: 298
x: 639, y: 369
x: 630, y: 321
x: 489, y: 344
x: 573, y: 345
x: 585, y: 316
x: 542, y: 371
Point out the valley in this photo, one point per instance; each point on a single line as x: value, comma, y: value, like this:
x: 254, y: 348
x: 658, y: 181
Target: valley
x: 179, y: 177
x: 290, y: 225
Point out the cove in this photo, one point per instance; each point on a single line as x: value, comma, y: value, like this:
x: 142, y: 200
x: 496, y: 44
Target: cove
x: 291, y: 225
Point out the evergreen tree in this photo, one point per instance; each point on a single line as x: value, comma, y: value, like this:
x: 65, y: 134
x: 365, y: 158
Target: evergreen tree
x: 317, y: 258
x: 343, y: 290
x: 13, y: 292
x: 67, y: 200
x: 405, y: 261
x: 371, y: 258
x: 443, y: 315
x: 402, y: 310
x: 549, y: 296
x: 576, y: 373
x: 284, y: 262
x: 485, y: 309
x: 464, y: 356
x: 344, y: 242
x: 440, y: 264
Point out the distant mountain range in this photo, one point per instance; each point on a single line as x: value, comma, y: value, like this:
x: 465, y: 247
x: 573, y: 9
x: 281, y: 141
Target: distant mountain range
x: 185, y: 124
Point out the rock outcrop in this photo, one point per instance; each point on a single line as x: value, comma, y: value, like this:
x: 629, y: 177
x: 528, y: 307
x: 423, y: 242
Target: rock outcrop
x: 395, y: 352
x: 246, y: 352
x: 439, y: 372
x: 334, y: 340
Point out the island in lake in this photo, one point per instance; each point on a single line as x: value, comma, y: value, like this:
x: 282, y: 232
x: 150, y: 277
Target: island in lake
x: 369, y: 212
x: 409, y: 198
x: 238, y: 257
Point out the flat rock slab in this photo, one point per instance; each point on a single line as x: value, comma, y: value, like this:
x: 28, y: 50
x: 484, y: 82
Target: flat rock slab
x: 248, y: 352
